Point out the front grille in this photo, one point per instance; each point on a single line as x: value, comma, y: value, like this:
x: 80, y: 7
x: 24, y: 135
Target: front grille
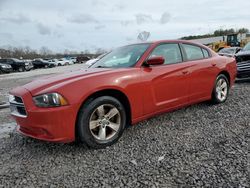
x: 17, y: 107
x: 244, y: 66
x: 242, y: 58
x: 18, y: 99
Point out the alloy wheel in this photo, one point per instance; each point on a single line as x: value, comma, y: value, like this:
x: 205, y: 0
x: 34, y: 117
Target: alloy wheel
x: 105, y: 122
x: 221, y: 89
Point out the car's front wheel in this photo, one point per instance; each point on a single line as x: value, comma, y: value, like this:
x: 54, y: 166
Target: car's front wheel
x: 101, y: 122
x: 221, y: 89
x: 21, y: 69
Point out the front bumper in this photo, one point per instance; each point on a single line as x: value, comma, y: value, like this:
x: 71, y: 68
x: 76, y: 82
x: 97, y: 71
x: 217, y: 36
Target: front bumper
x: 243, y: 69
x: 6, y: 70
x: 49, y: 124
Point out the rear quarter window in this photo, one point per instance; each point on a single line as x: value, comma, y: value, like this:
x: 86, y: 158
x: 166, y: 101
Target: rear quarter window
x: 193, y: 52
x: 205, y: 53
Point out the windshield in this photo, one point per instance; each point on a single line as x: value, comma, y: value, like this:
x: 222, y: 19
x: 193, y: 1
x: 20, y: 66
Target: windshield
x: 227, y: 50
x: 126, y: 56
x: 17, y: 60
x: 247, y: 47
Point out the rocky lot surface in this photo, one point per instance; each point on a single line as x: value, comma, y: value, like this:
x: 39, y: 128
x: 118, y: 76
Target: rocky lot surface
x: 199, y: 146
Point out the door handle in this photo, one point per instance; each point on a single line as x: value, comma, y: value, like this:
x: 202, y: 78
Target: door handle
x: 185, y: 72
x: 213, y: 64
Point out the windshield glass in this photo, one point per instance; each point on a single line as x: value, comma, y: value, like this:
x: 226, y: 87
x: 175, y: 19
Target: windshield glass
x: 247, y: 47
x: 227, y: 50
x: 126, y: 56
x: 17, y: 60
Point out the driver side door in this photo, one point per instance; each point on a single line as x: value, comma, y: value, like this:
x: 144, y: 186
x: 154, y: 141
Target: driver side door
x: 166, y: 86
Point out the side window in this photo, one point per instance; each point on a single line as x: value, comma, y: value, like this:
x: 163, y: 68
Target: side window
x: 170, y: 52
x: 3, y: 61
x: 205, y: 53
x: 9, y: 61
x: 193, y: 52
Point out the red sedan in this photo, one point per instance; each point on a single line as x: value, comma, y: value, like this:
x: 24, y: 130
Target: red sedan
x: 128, y: 85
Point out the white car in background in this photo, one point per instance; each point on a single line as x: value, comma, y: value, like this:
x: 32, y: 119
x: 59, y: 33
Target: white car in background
x: 62, y: 62
x: 73, y: 59
x: 70, y: 61
x: 54, y: 62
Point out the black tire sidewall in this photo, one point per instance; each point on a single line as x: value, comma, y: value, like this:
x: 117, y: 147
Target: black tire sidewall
x: 214, y: 95
x: 83, y: 132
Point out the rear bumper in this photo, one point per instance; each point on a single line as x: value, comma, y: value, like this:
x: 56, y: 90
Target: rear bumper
x: 49, y: 124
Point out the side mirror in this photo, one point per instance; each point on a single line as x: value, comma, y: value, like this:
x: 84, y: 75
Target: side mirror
x: 156, y: 60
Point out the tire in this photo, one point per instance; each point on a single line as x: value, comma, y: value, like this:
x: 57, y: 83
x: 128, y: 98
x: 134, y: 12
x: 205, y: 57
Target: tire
x: 21, y: 69
x: 94, y: 125
x: 59, y: 64
x: 220, y: 90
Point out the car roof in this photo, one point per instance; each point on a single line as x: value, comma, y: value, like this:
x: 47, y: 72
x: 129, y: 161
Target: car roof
x: 171, y: 41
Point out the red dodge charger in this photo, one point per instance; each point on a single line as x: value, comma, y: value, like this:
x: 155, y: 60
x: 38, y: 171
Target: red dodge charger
x: 128, y: 85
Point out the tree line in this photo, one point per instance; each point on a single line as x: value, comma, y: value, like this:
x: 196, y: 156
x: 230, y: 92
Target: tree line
x: 44, y: 52
x: 216, y: 33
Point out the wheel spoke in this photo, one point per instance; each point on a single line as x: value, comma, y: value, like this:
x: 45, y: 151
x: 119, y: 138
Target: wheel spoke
x: 102, y: 133
x: 223, y: 85
x: 100, y: 111
x: 220, y: 82
x: 93, y: 124
x: 223, y: 93
x: 112, y: 113
x: 114, y: 126
x: 217, y: 89
x: 219, y: 95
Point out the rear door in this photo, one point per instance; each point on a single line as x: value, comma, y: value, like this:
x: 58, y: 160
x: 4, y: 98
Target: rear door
x: 166, y: 85
x: 202, y: 71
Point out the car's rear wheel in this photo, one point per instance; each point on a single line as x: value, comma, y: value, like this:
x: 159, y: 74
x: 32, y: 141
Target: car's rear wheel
x: 101, y: 122
x: 221, y: 89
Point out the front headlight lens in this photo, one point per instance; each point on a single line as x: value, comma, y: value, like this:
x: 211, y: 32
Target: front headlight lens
x: 50, y: 100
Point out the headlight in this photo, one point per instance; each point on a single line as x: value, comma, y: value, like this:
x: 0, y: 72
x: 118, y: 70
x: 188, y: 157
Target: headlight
x: 26, y: 64
x: 50, y: 100
x: 11, y: 98
x: 4, y: 66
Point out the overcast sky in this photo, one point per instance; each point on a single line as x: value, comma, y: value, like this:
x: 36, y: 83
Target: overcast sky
x: 91, y: 24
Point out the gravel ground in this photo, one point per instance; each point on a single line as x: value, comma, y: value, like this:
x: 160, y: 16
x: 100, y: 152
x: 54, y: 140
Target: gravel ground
x: 200, y: 146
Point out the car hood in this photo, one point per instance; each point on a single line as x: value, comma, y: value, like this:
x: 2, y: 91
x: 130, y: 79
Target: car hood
x: 243, y: 53
x: 44, y: 83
